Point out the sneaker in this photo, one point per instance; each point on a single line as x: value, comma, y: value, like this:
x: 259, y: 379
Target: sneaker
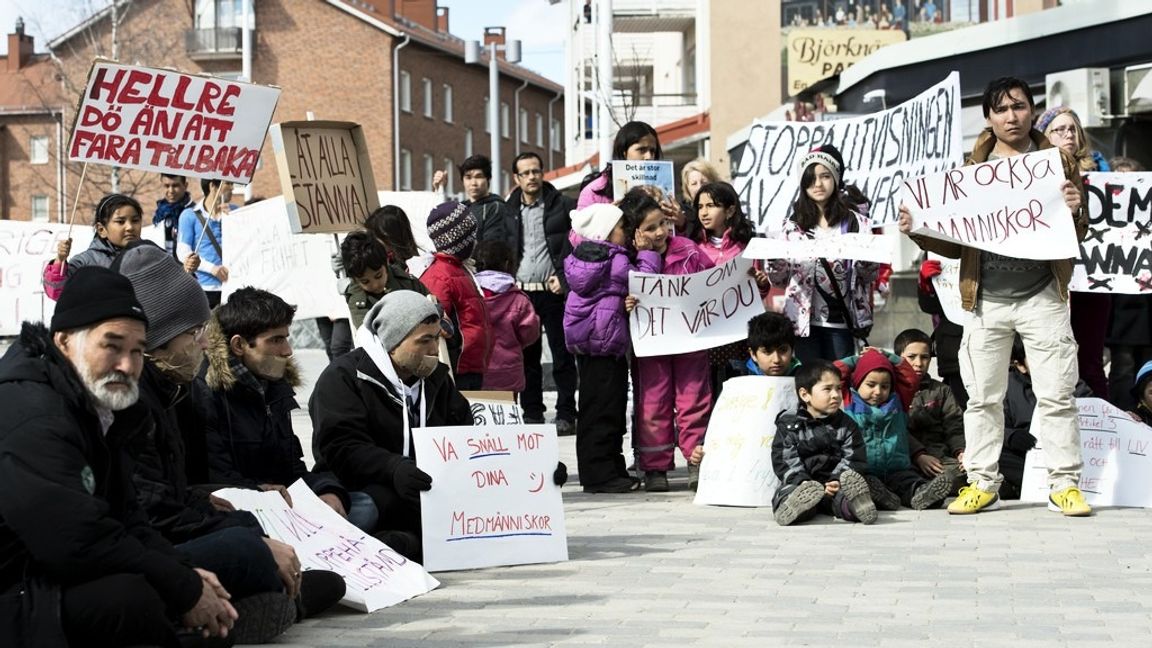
x: 973, y: 500
x: 319, y: 590
x: 656, y: 481
x: 262, y: 617
x: 933, y: 492
x: 856, y: 493
x: 806, y: 496
x: 884, y: 499
x: 565, y: 428
x: 614, y: 485
x: 693, y: 477
x: 1070, y: 502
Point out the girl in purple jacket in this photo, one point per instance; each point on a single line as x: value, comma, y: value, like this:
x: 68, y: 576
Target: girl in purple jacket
x: 608, y: 243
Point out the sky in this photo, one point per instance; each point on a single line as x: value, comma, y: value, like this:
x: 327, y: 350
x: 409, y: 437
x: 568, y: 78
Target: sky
x: 539, y: 25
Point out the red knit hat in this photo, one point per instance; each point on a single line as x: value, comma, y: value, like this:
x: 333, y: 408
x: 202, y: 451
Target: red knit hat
x: 868, y: 362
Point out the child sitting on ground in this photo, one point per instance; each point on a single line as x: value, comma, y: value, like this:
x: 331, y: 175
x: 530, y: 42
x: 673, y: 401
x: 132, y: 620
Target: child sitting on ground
x: 365, y: 260
x: 818, y: 454
x: 1142, y: 392
x: 877, y: 406
x: 511, y: 318
x: 935, y: 421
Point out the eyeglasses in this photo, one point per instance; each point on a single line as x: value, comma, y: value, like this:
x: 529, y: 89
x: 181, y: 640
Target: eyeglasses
x: 530, y: 172
x: 1063, y: 131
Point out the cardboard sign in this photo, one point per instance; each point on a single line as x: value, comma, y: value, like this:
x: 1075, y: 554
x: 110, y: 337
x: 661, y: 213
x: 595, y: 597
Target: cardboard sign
x: 1013, y: 206
x: 878, y: 248
x: 376, y: 576
x: 494, y: 408
x: 737, y: 467
x: 262, y: 251
x: 815, y: 54
x: 325, y: 174
x: 881, y: 150
x: 1117, y: 455
x: 692, y: 312
x: 492, y: 500
x: 947, y: 285
x: 1116, y: 256
x: 627, y: 174
x: 171, y: 122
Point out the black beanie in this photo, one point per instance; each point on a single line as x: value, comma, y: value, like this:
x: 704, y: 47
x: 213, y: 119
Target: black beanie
x: 92, y: 295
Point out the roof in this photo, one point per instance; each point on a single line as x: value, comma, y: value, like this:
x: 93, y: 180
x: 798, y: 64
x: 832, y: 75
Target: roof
x: 32, y: 90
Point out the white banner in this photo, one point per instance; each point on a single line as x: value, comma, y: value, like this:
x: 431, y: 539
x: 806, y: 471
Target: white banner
x: 737, y: 467
x: 947, y: 285
x: 260, y: 250
x: 492, y: 500
x: 1116, y: 256
x: 376, y: 576
x: 881, y: 150
x: 1117, y: 454
x: 878, y: 248
x: 1013, y: 206
x: 170, y: 122
x: 692, y: 312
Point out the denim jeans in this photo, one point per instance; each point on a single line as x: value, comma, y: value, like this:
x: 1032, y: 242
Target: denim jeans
x: 239, y: 558
x: 363, y: 512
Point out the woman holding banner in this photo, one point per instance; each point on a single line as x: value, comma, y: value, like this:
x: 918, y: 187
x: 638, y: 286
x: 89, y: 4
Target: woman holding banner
x: 828, y: 300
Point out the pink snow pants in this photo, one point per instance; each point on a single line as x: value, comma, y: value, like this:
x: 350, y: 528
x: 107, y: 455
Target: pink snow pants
x: 674, y: 393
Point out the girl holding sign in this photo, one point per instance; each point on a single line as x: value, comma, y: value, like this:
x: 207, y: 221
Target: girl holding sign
x: 828, y: 300
x: 118, y: 222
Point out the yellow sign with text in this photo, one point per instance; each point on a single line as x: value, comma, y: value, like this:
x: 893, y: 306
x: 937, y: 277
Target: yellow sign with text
x: 815, y: 54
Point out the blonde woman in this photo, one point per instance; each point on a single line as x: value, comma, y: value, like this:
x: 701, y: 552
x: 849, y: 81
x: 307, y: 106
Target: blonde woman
x: 694, y: 175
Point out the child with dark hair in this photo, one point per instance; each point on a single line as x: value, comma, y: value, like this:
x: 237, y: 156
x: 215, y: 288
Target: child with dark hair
x: 935, y: 421
x: 818, y: 454
x: 635, y: 140
x: 390, y: 225
x: 117, y: 222
x: 1142, y: 393
x: 511, y: 318
x: 771, y: 343
x: 366, y: 262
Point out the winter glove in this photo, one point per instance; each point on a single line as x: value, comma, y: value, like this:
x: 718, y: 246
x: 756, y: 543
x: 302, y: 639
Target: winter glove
x: 928, y: 269
x: 560, y: 477
x: 408, y: 480
x: 1020, y: 442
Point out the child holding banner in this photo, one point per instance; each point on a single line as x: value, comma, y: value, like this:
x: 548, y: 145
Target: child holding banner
x: 118, y: 222
x: 596, y: 331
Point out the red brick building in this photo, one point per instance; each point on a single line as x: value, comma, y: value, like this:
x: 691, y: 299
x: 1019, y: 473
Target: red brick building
x: 352, y: 60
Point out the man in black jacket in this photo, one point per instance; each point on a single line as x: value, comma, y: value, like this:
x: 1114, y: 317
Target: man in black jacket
x: 539, y: 227
x: 79, y: 562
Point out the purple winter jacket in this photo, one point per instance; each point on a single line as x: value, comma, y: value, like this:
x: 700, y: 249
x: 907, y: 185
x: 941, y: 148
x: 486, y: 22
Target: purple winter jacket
x: 594, y: 319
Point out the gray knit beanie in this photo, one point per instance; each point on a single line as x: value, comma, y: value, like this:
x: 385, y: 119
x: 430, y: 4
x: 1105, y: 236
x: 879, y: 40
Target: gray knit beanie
x: 172, y: 299
x: 396, y: 315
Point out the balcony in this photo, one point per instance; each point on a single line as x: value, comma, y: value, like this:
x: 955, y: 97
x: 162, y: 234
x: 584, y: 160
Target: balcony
x: 213, y: 44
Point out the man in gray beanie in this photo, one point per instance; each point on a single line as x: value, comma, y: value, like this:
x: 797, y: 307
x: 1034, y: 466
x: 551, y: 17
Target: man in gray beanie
x: 367, y: 402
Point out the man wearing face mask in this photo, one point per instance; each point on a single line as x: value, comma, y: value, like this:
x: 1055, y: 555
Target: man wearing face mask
x: 367, y: 402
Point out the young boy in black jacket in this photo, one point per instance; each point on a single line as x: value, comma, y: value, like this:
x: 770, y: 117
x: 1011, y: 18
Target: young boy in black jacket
x: 818, y: 454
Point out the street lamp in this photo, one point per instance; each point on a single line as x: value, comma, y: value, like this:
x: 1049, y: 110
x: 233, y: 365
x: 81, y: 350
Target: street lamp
x: 512, y: 55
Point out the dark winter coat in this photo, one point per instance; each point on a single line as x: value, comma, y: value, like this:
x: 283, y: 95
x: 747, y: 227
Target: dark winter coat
x: 945, y: 338
x: 495, y: 220
x: 935, y: 421
x: 360, y: 302
x: 557, y: 225
x: 594, y: 319
x: 1131, y: 323
x: 68, y: 509
x: 808, y: 448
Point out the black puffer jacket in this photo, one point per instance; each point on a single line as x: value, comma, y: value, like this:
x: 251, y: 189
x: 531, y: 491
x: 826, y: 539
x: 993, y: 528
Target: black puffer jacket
x: 818, y: 449
x: 68, y: 510
x: 495, y: 219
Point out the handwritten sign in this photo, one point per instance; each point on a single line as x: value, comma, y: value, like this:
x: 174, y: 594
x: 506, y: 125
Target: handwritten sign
x: 947, y: 285
x: 1117, y: 454
x: 1012, y: 206
x: 879, y: 248
x: 376, y: 576
x: 815, y: 54
x: 737, y: 467
x: 263, y: 252
x: 692, y: 312
x: 881, y: 150
x: 494, y: 408
x: 1116, y: 256
x: 325, y: 174
x: 492, y: 501
x: 171, y: 122
x: 627, y: 174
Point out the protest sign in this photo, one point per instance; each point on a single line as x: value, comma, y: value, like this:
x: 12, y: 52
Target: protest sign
x: 627, y: 174
x: 878, y: 248
x: 947, y: 285
x: 1116, y: 256
x: 692, y: 312
x: 737, y: 467
x: 1012, y: 206
x: 325, y: 174
x: 492, y: 501
x: 260, y: 250
x: 494, y: 408
x: 171, y: 122
x: 815, y: 54
x: 1117, y: 453
x: 881, y: 150
x: 375, y: 576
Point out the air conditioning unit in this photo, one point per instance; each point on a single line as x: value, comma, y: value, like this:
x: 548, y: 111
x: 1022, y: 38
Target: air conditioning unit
x: 1138, y: 89
x: 1085, y: 90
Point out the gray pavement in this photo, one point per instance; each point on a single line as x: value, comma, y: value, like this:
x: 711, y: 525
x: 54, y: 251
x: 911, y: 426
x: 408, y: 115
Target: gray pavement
x: 655, y: 570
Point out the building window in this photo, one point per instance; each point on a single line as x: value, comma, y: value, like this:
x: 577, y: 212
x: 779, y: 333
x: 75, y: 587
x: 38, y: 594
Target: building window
x: 427, y: 84
x: 539, y: 130
x: 40, y: 209
x: 450, y: 177
x: 504, y: 126
x: 554, y: 135
x: 467, y: 142
x: 210, y: 14
x: 429, y: 171
x: 522, y: 125
x: 405, y: 91
x: 38, y: 150
x: 447, y: 103
x: 487, y: 117
x: 405, y: 170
